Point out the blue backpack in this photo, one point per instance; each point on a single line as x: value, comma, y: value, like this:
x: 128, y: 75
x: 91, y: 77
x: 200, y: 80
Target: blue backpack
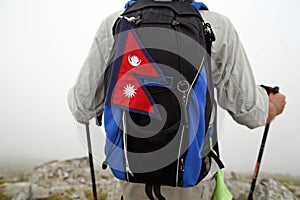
x: 159, y: 112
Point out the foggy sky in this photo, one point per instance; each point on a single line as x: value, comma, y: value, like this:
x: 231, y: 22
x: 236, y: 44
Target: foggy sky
x: 44, y: 43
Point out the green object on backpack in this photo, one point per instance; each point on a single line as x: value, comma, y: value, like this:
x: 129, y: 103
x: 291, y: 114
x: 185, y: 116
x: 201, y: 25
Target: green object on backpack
x: 221, y: 192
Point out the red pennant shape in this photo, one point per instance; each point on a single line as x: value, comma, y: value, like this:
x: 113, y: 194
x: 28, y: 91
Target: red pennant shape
x: 128, y: 91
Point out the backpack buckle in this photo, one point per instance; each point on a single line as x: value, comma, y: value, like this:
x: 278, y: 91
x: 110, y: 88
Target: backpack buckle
x: 135, y: 20
x: 209, y: 32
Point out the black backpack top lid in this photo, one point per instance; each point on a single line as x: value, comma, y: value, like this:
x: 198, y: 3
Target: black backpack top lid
x: 180, y: 7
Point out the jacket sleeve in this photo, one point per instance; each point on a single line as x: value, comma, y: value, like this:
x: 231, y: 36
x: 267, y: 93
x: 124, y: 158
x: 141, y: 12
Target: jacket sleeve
x: 233, y: 78
x: 86, y: 97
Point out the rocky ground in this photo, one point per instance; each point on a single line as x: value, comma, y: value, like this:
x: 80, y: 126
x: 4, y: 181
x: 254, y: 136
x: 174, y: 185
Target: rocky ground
x: 268, y: 187
x: 58, y: 180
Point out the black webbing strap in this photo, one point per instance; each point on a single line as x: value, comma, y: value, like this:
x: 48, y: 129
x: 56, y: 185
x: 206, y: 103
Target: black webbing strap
x: 217, y: 159
x: 99, y: 120
x: 148, y: 190
x: 215, y: 152
x: 157, y: 192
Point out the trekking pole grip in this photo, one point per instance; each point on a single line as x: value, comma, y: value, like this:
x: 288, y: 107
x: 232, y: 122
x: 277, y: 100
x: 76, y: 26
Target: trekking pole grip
x: 269, y: 90
x: 275, y: 90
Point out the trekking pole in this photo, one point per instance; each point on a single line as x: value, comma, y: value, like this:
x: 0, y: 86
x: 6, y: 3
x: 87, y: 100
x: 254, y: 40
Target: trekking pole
x: 91, y: 162
x: 261, y: 150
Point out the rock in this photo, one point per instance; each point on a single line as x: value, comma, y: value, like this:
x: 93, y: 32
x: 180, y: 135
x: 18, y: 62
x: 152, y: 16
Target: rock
x: 295, y: 189
x: 283, y: 191
x: 50, y: 175
x: 16, y: 179
x: 23, y: 195
x: 82, y: 180
x: 271, y: 189
x: 18, y: 191
x: 66, y: 175
x: 59, y: 190
x: 78, y: 195
x: 62, y: 184
x: 40, y: 192
x: 266, y: 188
x: 71, y: 180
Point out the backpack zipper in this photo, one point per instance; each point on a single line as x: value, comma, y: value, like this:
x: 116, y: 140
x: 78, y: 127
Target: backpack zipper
x: 180, y: 172
x: 180, y: 162
x: 127, y: 167
x: 185, y: 88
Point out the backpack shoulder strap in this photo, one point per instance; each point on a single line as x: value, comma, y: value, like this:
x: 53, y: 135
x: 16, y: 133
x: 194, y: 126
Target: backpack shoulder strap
x: 215, y: 152
x: 199, y: 6
x: 129, y: 3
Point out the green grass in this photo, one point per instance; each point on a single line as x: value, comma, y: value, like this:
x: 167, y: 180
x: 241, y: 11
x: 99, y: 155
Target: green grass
x: 88, y: 194
x: 57, y: 197
x: 4, y: 197
x: 104, y: 177
x: 70, y: 190
x: 289, y: 188
x: 290, y: 181
x: 17, y: 177
x: 100, y: 195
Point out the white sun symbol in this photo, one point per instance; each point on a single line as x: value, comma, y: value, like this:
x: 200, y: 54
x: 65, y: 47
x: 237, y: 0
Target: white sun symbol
x: 129, y: 91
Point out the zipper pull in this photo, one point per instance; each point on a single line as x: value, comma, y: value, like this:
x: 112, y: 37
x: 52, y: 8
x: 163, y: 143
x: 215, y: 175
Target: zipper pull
x: 183, y: 87
x: 181, y: 168
x: 129, y: 171
x: 180, y: 173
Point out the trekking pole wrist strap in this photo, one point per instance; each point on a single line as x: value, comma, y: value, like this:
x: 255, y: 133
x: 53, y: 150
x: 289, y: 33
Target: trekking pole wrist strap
x: 269, y: 89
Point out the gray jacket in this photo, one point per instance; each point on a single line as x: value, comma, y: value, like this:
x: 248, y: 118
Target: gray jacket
x: 233, y: 79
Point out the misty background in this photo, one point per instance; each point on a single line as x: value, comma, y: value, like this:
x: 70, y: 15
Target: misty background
x: 43, y: 44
